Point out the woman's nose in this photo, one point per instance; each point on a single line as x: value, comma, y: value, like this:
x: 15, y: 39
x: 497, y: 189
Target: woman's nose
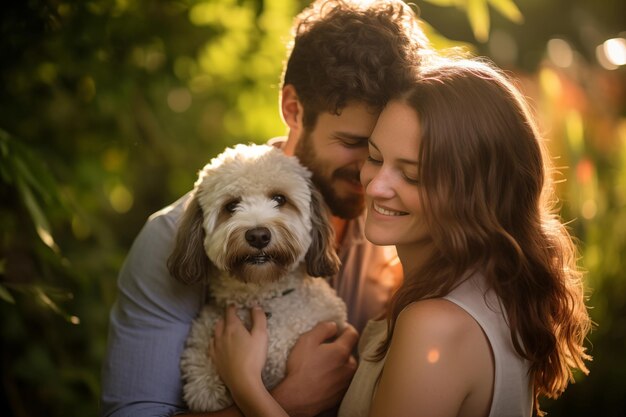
x: 380, y: 186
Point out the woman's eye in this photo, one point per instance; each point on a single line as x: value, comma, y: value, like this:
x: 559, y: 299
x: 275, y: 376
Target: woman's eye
x: 411, y: 180
x: 373, y: 160
x: 231, y: 206
x: 279, y: 199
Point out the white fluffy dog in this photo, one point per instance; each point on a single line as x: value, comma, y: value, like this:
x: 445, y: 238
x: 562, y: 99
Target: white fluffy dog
x: 257, y: 230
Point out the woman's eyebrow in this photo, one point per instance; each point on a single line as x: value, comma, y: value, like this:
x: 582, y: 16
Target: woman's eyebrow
x: 408, y: 161
x: 400, y: 160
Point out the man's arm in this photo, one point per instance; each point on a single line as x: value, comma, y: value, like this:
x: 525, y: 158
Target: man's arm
x: 148, y: 327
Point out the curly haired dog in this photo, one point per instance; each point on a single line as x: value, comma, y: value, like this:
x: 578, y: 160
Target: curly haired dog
x: 257, y: 229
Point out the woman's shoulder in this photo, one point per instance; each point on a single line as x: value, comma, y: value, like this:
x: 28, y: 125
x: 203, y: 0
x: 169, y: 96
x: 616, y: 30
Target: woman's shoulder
x: 436, y: 320
x: 436, y: 347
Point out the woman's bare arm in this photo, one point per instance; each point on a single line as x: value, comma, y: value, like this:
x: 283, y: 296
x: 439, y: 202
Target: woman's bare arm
x: 439, y: 363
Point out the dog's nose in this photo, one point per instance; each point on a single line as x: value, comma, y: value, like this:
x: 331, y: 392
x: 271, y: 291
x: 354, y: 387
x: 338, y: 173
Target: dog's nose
x: 259, y: 237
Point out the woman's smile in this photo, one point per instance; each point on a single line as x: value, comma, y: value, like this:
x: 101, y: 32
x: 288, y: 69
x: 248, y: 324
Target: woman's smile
x: 387, y: 211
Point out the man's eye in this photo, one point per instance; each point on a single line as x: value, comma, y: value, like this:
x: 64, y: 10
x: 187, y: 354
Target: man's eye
x: 353, y: 143
x: 279, y: 199
x: 231, y: 206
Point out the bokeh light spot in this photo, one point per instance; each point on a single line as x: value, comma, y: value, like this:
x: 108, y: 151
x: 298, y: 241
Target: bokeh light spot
x: 615, y: 50
x: 575, y: 130
x: 550, y: 83
x: 584, y: 171
x: 121, y: 199
x: 503, y: 47
x: 179, y: 100
x: 589, y: 209
x: 87, y: 89
x: 433, y: 356
x: 560, y: 52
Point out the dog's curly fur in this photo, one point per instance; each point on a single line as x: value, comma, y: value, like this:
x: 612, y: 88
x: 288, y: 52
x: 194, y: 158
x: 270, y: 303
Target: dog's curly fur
x: 258, y: 230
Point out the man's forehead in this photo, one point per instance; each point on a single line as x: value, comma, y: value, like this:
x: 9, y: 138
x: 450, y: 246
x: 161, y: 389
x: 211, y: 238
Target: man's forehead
x: 354, y: 106
x: 353, y: 120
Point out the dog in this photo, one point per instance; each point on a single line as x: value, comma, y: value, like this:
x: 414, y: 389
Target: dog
x: 257, y: 229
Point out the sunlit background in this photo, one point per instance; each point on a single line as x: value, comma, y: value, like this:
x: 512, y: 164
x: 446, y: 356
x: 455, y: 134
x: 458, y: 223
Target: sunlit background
x: 109, y: 108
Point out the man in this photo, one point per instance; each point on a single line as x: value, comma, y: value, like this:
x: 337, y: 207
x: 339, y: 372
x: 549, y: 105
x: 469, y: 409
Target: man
x: 346, y: 60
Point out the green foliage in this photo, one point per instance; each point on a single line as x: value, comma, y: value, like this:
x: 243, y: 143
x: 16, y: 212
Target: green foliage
x: 109, y: 110
x: 37, y: 285
x: 590, y: 141
x: 477, y: 12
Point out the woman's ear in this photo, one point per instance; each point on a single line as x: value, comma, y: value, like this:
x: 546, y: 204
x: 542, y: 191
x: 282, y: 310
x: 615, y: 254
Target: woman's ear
x: 321, y: 258
x: 188, y: 262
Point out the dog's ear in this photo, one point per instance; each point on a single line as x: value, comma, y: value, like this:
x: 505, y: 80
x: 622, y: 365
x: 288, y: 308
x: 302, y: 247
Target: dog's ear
x: 321, y: 258
x: 188, y: 262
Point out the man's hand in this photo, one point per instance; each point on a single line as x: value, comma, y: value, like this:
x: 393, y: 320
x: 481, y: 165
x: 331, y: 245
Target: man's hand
x: 319, y: 371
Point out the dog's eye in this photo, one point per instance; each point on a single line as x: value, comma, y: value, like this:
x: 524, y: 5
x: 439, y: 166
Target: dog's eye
x: 231, y: 206
x: 279, y: 199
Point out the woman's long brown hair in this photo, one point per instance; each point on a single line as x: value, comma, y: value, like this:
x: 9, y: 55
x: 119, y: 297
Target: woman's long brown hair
x: 485, y: 182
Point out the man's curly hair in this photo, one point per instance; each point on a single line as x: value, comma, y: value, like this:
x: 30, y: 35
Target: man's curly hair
x: 344, y: 50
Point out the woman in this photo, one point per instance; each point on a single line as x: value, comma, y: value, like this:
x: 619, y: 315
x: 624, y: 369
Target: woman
x: 491, y: 314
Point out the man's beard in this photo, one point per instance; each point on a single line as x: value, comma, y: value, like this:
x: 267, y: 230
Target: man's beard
x: 347, y: 207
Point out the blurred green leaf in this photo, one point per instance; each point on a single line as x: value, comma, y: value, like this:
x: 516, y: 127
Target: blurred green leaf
x: 6, y: 295
x: 478, y: 15
x: 445, y: 3
x: 40, y: 221
x: 477, y: 12
x: 18, y: 164
x: 5, y: 158
x: 23, y: 173
x: 508, y: 9
x: 47, y: 301
x: 440, y: 42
